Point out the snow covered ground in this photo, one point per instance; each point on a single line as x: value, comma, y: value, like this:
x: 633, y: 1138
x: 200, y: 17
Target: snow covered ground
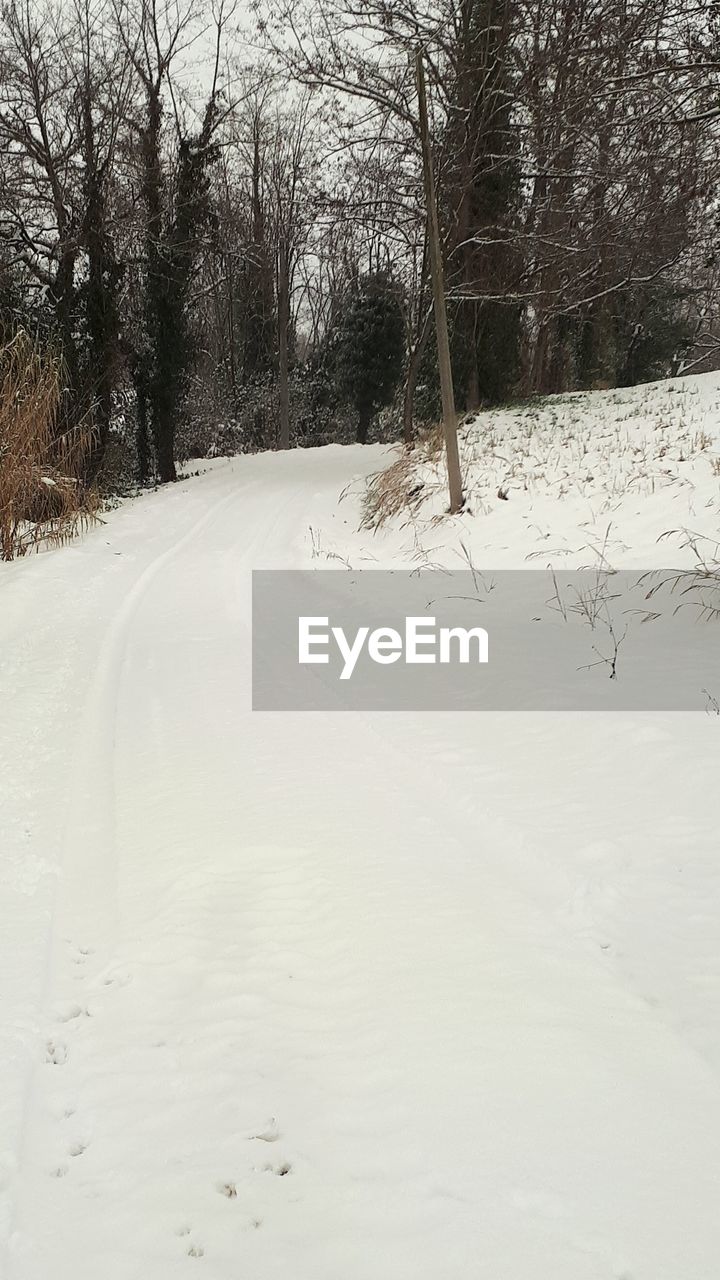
x: 356, y: 997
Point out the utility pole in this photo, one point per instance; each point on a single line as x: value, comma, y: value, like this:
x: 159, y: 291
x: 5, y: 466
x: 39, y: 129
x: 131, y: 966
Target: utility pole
x: 441, y: 330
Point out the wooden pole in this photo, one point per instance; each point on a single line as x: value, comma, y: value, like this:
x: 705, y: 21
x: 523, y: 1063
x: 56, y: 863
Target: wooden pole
x: 441, y: 330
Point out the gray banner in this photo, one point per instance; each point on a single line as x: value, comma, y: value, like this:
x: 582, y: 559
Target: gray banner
x: 340, y: 640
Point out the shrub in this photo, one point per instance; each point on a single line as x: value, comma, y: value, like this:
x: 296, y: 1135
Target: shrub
x: 42, y: 495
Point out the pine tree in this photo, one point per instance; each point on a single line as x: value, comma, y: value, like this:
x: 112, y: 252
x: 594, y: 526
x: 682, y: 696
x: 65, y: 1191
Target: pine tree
x: 370, y: 349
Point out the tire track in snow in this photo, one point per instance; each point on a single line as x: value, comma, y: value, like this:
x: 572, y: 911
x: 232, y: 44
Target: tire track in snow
x: 80, y: 899
x: 84, y: 910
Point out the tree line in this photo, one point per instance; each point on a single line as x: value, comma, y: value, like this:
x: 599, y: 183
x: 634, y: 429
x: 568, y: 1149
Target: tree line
x: 216, y: 221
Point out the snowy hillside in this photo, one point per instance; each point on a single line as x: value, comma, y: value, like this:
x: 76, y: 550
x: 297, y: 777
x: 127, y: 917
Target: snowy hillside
x: 560, y: 480
x: 357, y: 997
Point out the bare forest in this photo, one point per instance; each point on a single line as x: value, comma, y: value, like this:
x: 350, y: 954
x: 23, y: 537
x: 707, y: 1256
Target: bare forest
x: 213, y: 226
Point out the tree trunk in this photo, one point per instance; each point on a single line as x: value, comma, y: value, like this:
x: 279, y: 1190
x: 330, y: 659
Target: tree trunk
x: 103, y: 276
x: 283, y: 351
x: 232, y: 365
x: 452, y: 453
x: 540, y: 358
x: 469, y: 318
x: 142, y: 437
x: 417, y: 352
x: 164, y: 440
x: 363, y: 426
x: 472, y: 388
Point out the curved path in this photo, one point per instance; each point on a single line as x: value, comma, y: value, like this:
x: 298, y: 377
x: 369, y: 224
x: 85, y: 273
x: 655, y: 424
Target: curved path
x: 284, y: 996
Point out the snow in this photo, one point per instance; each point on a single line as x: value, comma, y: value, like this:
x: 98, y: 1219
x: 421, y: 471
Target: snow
x: 360, y: 996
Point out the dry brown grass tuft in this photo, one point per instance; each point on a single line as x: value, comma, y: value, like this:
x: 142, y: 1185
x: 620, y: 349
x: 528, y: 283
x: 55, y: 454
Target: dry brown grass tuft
x: 42, y: 495
x: 388, y: 492
x: 397, y: 489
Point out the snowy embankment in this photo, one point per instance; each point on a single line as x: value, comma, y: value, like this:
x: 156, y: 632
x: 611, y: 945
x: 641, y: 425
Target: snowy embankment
x: 574, y: 480
x: 370, y: 996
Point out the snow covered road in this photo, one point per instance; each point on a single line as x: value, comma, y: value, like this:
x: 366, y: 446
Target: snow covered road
x: 333, y: 997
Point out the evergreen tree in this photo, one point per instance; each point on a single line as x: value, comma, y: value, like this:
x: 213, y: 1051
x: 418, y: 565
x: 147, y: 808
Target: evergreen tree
x: 173, y: 245
x: 370, y: 349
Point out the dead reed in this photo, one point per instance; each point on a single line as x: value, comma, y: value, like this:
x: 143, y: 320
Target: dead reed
x: 43, y: 499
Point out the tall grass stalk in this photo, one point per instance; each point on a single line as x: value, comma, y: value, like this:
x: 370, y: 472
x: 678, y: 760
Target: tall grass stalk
x: 43, y: 498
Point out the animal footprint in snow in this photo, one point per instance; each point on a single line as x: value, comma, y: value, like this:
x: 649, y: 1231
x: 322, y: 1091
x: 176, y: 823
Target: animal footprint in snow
x: 196, y: 1251
x: 118, y: 979
x: 78, y: 1149
x: 270, y: 1133
x: 280, y: 1170
x: 228, y: 1189
x: 71, y: 1012
x: 56, y: 1052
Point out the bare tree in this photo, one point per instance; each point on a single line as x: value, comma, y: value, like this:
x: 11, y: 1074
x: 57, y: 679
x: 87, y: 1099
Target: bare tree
x: 291, y: 202
x: 176, y: 202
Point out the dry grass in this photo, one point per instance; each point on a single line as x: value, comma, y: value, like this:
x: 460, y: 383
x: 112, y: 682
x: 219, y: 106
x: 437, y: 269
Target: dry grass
x: 42, y: 496
x: 699, y: 586
x: 398, y: 490
x: 388, y: 492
